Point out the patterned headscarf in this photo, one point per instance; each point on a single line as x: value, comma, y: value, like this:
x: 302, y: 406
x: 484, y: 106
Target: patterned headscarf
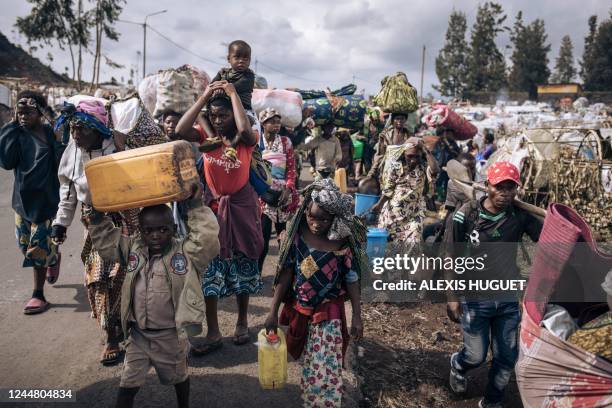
x: 357, y: 239
x: 327, y: 196
x: 90, y: 114
x: 28, y: 103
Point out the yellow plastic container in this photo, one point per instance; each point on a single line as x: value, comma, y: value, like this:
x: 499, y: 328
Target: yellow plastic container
x: 340, y: 179
x: 142, y: 177
x: 272, y: 360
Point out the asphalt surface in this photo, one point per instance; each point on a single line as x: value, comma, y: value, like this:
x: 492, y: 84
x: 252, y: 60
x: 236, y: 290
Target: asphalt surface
x: 60, y: 349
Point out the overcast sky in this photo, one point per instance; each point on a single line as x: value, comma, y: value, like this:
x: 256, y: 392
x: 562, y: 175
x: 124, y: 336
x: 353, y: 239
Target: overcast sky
x: 309, y: 43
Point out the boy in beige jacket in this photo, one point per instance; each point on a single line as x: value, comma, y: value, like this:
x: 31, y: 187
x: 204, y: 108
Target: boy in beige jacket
x: 161, y: 298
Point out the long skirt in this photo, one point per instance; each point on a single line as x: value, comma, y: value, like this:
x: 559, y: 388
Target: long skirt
x: 322, y: 367
x: 104, y: 279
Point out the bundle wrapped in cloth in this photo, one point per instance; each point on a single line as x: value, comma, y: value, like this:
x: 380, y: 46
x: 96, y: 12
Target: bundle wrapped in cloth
x: 345, y: 111
x: 129, y: 116
x: 443, y: 116
x: 397, y: 95
x: 347, y: 90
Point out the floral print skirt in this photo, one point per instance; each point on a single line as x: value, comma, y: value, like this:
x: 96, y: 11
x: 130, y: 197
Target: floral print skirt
x: 322, y: 367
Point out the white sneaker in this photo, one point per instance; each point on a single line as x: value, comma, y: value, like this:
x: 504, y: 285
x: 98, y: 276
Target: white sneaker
x: 484, y: 404
x: 457, y: 381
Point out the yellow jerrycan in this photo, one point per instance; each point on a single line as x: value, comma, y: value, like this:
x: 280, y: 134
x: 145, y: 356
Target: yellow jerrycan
x: 142, y: 177
x: 340, y: 179
x: 272, y: 359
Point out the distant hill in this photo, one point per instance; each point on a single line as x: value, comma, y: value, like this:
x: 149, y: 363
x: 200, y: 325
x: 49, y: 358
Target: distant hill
x: 15, y: 62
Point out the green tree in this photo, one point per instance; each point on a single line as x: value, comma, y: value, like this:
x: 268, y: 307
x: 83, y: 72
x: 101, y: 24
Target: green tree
x: 598, y: 76
x: 486, y: 65
x: 564, y: 65
x: 586, y: 64
x: 54, y: 20
x: 451, y: 63
x: 529, y: 57
x: 103, y: 17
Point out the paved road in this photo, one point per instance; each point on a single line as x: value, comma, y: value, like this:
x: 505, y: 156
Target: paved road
x: 60, y: 349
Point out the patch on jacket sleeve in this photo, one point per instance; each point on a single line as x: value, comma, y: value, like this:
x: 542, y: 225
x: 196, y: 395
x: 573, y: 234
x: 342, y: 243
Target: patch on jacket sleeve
x: 178, y: 262
x: 133, y: 261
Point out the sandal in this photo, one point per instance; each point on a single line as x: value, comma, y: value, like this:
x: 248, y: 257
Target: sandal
x: 206, y: 348
x: 53, y: 271
x: 242, y: 339
x: 110, y: 355
x: 36, y: 306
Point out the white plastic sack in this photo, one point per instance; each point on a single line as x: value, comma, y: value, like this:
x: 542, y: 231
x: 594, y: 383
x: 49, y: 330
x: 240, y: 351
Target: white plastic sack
x: 125, y: 114
x: 147, y: 90
x: 175, y: 92
x: 287, y: 103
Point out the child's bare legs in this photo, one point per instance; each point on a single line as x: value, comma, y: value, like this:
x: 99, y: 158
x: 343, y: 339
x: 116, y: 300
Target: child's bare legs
x: 40, y: 275
x: 125, y: 398
x: 182, y: 393
x: 241, y: 335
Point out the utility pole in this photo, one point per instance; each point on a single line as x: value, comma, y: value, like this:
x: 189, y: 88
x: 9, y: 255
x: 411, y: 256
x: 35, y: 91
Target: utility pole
x: 422, y: 75
x: 144, y: 38
x: 144, y: 45
x: 144, y: 49
x: 256, y: 62
x: 353, y: 79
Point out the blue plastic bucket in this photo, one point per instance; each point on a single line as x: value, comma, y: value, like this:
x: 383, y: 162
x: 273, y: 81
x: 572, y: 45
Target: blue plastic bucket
x: 363, y: 202
x: 377, y: 243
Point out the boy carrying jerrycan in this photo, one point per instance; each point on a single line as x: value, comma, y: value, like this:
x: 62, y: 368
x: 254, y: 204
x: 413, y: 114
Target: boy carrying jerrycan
x: 161, y: 297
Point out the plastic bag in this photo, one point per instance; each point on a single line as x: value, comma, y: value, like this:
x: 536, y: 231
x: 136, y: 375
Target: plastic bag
x: 287, y: 103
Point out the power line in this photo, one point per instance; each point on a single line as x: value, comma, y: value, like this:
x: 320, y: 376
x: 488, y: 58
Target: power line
x: 188, y: 51
x: 290, y: 75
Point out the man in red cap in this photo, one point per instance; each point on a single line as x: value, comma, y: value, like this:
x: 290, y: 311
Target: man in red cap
x: 491, y: 229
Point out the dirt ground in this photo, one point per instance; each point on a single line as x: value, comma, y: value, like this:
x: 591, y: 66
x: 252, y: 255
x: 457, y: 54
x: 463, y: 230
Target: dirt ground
x: 403, y: 360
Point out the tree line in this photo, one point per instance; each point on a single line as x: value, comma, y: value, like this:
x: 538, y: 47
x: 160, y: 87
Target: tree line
x: 72, y: 25
x: 467, y: 68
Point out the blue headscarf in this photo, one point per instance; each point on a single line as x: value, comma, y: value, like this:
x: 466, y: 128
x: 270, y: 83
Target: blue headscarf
x: 73, y: 115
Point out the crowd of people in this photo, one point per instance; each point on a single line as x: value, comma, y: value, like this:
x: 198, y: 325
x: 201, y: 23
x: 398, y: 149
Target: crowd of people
x: 155, y: 287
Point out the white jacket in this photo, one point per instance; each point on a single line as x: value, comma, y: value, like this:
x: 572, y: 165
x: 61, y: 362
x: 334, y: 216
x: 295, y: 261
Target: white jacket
x: 73, y: 183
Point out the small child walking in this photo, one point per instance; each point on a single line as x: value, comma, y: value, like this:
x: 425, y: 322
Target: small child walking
x: 161, y: 297
x: 320, y: 263
x: 30, y: 149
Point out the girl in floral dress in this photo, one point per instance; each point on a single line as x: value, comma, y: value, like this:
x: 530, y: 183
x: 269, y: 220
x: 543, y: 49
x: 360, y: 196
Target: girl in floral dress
x: 320, y: 262
x: 402, y: 203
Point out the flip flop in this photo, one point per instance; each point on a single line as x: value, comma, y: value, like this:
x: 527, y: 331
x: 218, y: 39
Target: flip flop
x: 206, y: 348
x: 242, y: 339
x: 36, y: 306
x: 110, y: 355
x: 53, y: 271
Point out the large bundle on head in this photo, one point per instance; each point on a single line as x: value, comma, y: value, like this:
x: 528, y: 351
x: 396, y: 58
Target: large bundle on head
x: 397, y: 95
x: 345, y: 111
x: 142, y: 177
x: 177, y: 89
x: 314, y: 94
x: 129, y: 116
x: 287, y: 103
x: 444, y: 117
x: 147, y: 90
